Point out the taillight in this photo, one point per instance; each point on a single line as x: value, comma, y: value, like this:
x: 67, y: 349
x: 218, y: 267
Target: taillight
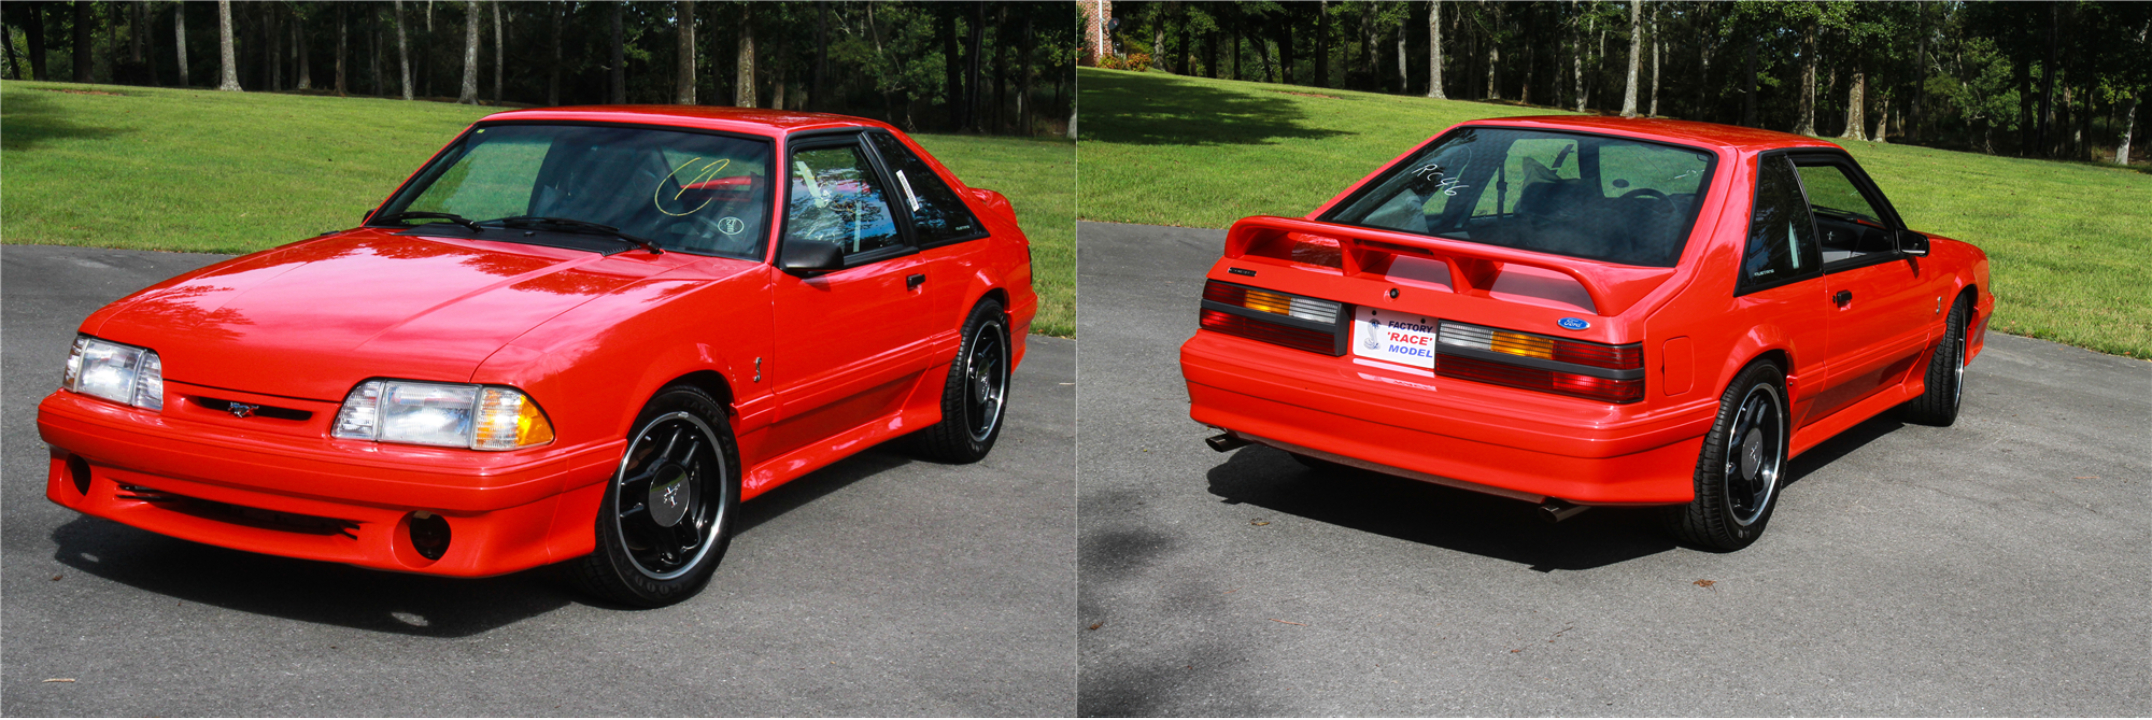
x: 1294, y: 321
x: 1612, y: 373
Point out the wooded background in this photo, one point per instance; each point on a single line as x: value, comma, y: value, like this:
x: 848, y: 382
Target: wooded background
x: 993, y: 68
x: 2038, y: 79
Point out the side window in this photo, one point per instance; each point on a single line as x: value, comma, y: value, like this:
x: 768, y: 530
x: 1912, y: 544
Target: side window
x: 937, y: 213
x: 1781, y: 236
x: 835, y: 197
x: 1849, y: 224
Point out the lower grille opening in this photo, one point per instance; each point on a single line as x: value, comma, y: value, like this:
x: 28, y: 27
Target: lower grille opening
x: 241, y: 514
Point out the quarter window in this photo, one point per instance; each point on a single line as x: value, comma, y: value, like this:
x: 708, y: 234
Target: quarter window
x: 1781, y: 236
x: 938, y: 215
x: 836, y: 198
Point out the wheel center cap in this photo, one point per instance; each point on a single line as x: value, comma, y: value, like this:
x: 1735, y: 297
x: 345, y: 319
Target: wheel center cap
x: 670, y: 495
x: 1751, y: 453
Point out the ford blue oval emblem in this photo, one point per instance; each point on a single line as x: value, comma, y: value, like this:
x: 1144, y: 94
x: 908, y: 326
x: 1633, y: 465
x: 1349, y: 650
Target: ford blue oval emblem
x: 1574, y: 323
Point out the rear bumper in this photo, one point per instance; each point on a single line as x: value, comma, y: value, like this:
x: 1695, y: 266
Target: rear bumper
x: 320, y: 499
x: 1516, y: 443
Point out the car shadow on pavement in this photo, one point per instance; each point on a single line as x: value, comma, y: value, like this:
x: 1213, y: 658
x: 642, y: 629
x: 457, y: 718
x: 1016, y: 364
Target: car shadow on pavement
x: 303, y: 590
x: 1431, y: 514
x: 820, y: 483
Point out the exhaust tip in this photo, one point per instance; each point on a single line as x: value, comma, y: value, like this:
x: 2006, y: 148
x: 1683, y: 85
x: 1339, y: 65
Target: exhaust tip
x: 1554, y: 510
x: 1225, y: 442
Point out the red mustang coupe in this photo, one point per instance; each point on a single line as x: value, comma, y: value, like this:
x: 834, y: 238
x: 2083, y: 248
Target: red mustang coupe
x: 577, y: 334
x: 1578, y: 311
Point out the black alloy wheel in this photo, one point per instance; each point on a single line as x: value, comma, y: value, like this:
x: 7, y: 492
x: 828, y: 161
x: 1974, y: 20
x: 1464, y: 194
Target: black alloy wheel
x: 667, y: 513
x: 975, y: 397
x: 1742, y: 464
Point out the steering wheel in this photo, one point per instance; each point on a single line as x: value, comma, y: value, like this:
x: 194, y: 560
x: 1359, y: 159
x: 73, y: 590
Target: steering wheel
x: 1644, y: 194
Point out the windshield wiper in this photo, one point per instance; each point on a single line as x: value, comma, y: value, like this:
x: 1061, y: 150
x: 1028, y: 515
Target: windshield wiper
x: 574, y: 225
x: 451, y: 217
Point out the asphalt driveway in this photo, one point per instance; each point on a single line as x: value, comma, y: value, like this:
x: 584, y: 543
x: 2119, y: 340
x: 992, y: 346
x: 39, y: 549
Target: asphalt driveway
x: 879, y: 586
x: 1997, y: 567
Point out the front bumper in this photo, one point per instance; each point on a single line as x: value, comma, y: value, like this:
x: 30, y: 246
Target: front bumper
x: 1516, y: 443
x: 322, y: 499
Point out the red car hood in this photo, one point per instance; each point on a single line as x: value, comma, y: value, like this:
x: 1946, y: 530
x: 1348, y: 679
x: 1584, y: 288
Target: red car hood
x: 311, y: 320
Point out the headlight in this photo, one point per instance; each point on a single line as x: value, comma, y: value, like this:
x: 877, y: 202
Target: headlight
x: 479, y: 417
x: 120, y: 373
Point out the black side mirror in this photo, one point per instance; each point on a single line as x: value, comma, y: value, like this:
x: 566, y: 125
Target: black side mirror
x: 1912, y: 244
x: 803, y: 257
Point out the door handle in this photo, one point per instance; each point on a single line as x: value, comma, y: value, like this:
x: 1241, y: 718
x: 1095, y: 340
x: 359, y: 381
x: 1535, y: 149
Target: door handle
x: 913, y: 282
x: 1843, y: 298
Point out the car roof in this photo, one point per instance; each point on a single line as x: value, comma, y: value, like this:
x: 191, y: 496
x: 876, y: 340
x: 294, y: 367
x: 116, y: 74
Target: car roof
x: 1687, y: 132
x: 752, y: 121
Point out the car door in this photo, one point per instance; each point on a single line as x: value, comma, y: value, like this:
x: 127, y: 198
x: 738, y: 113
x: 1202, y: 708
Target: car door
x: 943, y: 226
x: 1880, y: 313
x: 1781, y: 277
x: 851, y: 341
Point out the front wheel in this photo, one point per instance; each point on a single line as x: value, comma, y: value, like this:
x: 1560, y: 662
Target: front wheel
x: 668, y: 511
x: 975, y: 397
x: 1738, y: 473
x: 1938, y: 405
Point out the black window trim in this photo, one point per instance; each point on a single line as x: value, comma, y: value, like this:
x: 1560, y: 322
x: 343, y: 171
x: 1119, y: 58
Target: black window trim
x: 768, y: 251
x: 922, y: 244
x: 1741, y: 284
x: 854, y: 137
x: 1862, y: 183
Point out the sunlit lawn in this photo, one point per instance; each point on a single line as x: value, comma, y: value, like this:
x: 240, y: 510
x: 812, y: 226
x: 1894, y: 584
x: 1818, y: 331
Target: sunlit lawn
x: 2070, y: 243
x: 203, y: 171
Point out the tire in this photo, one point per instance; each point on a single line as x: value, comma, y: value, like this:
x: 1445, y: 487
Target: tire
x: 975, y: 398
x: 1740, y: 469
x: 1938, y: 405
x: 679, y: 479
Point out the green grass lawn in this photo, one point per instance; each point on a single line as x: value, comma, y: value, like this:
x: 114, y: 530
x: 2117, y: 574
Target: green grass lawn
x: 2069, y: 243
x: 204, y: 171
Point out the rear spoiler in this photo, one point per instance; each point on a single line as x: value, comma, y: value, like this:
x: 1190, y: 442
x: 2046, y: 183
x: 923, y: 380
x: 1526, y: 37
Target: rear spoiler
x: 1474, y: 267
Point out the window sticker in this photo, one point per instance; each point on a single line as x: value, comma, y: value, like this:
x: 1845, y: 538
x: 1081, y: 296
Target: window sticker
x: 708, y: 171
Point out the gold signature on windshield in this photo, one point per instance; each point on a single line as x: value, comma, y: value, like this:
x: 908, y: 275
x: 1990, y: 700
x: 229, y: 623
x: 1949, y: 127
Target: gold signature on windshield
x: 708, y: 171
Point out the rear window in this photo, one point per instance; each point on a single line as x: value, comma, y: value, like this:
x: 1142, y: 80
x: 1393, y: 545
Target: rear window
x: 1586, y: 196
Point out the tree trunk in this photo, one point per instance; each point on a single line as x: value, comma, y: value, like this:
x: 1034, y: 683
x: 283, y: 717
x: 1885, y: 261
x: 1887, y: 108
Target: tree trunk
x: 1322, y: 44
x: 1655, y: 45
x: 1158, y: 36
x: 815, y: 88
x: 468, y: 94
x: 270, y: 52
x: 179, y: 42
x: 2047, y: 84
x: 375, y: 86
x: 1636, y: 57
x: 14, y: 64
x: 343, y: 32
x: 500, y: 50
x: 134, y: 32
x: 1434, y: 51
x: 974, y: 60
x: 1882, y: 120
x: 1262, y: 57
x: 953, y: 69
x: 298, y: 46
x: 743, y: 94
x: 684, y: 79
x: 229, y: 72
x: 552, y: 77
x: 403, y: 53
x: 1748, y: 98
x: 83, y: 24
x: 33, y: 33
x: 1024, y: 109
x: 1856, y: 107
x: 1805, y: 124
x: 1576, y: 59
x: 2129, y: 124
x: 425, y: 56
x: 1494, y: 53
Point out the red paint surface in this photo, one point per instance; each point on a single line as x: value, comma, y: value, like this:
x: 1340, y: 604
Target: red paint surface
x: 1843, y: 365
x: 589, y: 337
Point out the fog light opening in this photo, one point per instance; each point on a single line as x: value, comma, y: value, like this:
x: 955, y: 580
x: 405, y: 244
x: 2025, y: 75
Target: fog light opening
x: 78, y: 470
x: 429, y: 534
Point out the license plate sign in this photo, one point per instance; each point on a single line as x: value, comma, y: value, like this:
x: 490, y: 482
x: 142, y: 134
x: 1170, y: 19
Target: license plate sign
x: 1402, y: 338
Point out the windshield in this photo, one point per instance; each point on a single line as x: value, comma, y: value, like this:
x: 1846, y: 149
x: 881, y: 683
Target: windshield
x: 693, y: 192
x: 1586, y: 196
